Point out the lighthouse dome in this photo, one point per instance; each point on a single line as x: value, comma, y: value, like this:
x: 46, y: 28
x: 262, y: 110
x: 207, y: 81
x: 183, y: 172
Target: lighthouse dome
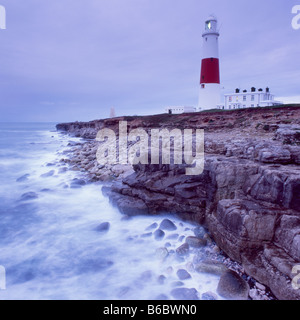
x: 211, y: 26
x: 211, y: 18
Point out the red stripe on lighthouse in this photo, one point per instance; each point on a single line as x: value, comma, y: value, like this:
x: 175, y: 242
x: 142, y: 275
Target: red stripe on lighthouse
x: 210, y: 71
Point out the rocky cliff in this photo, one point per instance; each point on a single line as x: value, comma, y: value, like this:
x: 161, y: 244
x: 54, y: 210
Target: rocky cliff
x: 248, y: 195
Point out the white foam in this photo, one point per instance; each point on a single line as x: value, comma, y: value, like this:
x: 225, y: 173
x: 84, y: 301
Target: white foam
x: 60, y: 253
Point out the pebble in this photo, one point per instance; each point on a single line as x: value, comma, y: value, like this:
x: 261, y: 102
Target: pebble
x: 158, y: 234
x: 260, y: 286
x: 209, y: 296
x: 62, y: 170
x: 161, y: 253
x: 23, y: 178
x: 146, y: 235
x: 77, y: 183
x: 185, y: 294
x: 207, y: 238
x: 161, y: 279
x: 50, y: 164
x: 211, y: 266
x: 146, y: 275
x: 199, y: 232
x: 47, y: 174
x: 181, y: 238
x: 152, y: 226
x: 168, y: 225
x: 182, y: 274
x: 183, y: 250
x: 28, y: 196
x: 104, y: 226
x: 177, y: 284
x: 216, y: 249
x: 169, y: 270
x: 190, y: 267
x: 196, y: 242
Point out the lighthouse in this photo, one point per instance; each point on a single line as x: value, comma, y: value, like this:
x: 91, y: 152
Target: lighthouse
x: 210, y: 89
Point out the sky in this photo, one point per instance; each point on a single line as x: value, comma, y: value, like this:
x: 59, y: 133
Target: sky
x: 73, y: 60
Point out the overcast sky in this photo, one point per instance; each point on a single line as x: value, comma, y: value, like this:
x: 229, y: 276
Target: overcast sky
x: 67, y: 60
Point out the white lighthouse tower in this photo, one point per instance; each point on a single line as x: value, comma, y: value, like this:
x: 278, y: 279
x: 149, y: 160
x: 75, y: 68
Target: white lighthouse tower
x: 210, y: 89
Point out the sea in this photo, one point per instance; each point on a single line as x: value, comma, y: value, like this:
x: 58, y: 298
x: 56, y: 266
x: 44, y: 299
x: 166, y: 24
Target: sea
x: 51, y: 245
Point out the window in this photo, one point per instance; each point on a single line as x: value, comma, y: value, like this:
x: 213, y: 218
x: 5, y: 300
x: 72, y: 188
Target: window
x: 244, y: 98
x: 252, y: 98
x: 252, y: 105
x: 208, y: 25
x: 230, y: 99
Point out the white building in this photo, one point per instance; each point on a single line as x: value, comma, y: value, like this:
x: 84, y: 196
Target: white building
x: 254, y: 98
x: 180, y: 109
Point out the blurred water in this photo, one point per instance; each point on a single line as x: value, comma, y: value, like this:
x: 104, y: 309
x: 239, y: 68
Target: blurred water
x: 49, y: 243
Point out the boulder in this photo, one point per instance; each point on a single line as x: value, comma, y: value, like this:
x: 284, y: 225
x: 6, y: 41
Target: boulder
x: 233, y: 287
